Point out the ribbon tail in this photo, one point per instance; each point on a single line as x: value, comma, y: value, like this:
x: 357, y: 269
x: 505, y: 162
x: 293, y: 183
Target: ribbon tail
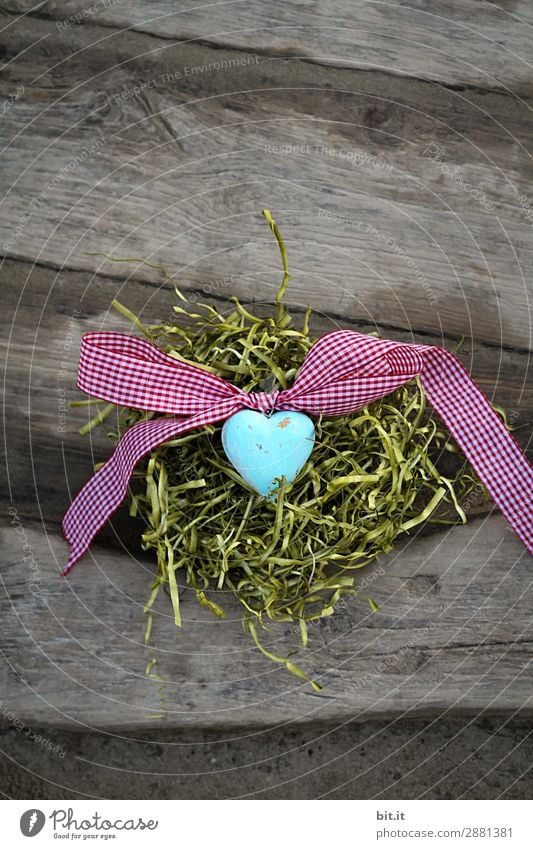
x: 483, y: 437
x: 105, y: 491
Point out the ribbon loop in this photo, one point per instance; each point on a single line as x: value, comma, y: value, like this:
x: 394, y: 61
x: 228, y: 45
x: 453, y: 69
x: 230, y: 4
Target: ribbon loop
x: 132, y: 372
x: 405, y: 360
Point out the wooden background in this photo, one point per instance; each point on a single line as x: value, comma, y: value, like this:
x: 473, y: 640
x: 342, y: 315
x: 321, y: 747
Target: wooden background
x: 392, y: 143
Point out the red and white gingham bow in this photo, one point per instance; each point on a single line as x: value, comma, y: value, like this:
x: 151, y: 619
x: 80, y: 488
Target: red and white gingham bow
x: 342, y: 372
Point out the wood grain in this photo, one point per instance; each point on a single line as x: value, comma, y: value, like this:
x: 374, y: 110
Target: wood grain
x: 377, y: 228
x: 392, y: 143
x: 454, y: 633
x: 453, y: 41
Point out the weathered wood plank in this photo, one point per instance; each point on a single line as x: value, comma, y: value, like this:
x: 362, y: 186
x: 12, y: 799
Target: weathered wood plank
x: 453, y: 634
x: 453, y: 42
x: 48, y: 460
x: 404, y: 205
x: 380, y: 226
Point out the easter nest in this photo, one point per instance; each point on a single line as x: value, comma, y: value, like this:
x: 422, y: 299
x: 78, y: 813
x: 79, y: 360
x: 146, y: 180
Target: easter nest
x: 372, y: 476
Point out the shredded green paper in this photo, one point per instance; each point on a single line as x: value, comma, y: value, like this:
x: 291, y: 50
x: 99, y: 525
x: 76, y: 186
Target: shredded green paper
x: 371, y: 477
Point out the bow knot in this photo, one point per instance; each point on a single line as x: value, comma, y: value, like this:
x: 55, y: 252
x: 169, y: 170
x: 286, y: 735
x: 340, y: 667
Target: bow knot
x: 264, y: 402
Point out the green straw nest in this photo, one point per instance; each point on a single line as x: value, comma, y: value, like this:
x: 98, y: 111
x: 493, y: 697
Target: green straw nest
x: 371, y: 477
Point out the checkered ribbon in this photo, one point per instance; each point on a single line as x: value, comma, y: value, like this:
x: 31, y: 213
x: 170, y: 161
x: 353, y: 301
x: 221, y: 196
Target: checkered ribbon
x: 342, y: 372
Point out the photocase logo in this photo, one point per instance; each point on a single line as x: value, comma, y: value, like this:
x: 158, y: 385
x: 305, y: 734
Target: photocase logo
x: 32, y: 822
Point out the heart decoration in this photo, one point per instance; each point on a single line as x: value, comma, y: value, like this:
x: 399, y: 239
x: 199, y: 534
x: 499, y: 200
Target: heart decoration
x: 263, y: 448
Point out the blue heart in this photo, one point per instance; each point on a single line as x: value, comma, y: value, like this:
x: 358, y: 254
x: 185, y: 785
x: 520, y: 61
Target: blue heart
x: 263, y: 448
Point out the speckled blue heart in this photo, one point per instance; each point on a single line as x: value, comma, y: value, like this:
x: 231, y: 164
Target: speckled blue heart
x: 263, y: 448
